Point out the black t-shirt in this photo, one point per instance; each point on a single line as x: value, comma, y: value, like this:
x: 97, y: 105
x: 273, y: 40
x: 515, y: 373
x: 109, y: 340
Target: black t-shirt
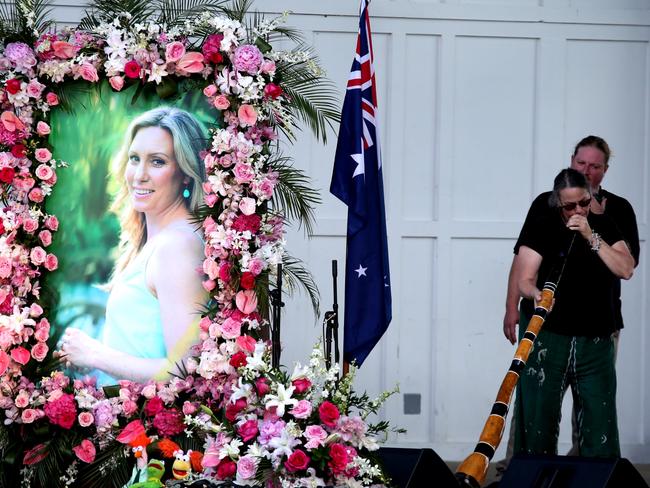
x: 585, y: 300
x: 620, y: 212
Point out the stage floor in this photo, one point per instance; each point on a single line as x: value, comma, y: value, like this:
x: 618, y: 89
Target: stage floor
x: 644, y: 469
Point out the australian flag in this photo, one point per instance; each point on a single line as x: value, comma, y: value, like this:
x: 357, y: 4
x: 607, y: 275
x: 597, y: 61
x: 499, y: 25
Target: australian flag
x: 357, y: 182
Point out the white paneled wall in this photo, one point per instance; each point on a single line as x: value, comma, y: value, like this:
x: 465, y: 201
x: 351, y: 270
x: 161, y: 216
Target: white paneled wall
x: 481, y: 103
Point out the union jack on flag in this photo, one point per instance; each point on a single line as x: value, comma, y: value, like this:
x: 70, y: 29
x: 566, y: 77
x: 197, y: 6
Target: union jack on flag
x: 357, y: 181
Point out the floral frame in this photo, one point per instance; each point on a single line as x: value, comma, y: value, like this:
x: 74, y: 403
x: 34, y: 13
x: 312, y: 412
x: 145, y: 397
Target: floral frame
x: 231, y: 417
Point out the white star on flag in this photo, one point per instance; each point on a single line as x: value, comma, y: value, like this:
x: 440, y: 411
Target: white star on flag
x: 361, y: 168
x: 361, y: 270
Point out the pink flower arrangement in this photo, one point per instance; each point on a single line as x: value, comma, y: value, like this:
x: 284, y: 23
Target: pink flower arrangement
x: 247, y: 58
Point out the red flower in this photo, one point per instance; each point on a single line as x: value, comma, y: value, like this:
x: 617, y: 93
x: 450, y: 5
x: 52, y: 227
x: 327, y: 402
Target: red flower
x: 298, y: 461
x: 338, y: 458
x: 248, y: 430
x: 226, y: 469
x: 262, y: 386
x: 247, y: 222
x: 238, y: 359
x: 62, y: 411
x: 328, y: 413
x: 234, y: 408
x: 247, y: 281
x: 18, y: 151
x: 2, y: 227
x: 169, y: 422
x: 211, y: 48
x: 301, y: 384
x: 13, y: 85
x: 153, y: 406
x: 7, y: 175
x: 132, y: 69
x: 272, y: 90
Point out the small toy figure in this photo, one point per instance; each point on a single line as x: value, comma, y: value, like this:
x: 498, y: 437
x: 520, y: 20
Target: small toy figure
x: 155, y: 471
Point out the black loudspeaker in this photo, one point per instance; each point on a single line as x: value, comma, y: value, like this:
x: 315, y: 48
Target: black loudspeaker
x: 570, y: 472
x: 416, y: 468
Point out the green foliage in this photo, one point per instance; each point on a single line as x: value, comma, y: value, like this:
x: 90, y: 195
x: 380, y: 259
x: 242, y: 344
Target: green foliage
x: 297, y: 275
x: 294, y: 196
x: 24, y: 20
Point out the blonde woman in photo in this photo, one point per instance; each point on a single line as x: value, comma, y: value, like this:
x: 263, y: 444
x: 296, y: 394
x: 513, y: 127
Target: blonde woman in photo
x: 155, y: 291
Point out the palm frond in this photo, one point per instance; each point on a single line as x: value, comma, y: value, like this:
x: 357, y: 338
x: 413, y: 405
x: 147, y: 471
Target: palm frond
x: 238, y: 9
x: 175, y: 12
x: 313, y: 98
x: 296, y: 274
x: 110, y: 469
x: 15, y: 23
x: 107, y: 10
x: 294, y: 197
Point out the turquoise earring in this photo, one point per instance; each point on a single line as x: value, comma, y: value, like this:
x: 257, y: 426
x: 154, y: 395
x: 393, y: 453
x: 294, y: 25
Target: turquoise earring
x: 186, y: 193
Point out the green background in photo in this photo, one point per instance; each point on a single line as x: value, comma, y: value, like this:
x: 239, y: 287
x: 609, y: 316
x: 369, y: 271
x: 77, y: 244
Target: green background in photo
x: 87, y: 139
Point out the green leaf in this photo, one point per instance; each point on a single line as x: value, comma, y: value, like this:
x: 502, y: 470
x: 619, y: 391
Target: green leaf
x: 297, y: 275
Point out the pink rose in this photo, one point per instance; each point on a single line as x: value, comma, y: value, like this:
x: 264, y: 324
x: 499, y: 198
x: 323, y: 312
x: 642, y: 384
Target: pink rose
x: 132, y: 69
x: 42, y: 334
x: 43, y: 155
x: 211, y: 199
x: 43, y: 171
x: 246, y: 467
x: 22, y: 399
x: 221, y: 102
x: 338, y: 458
x: 247, y: 115
x: 51, y: 99
x: 226, y: 469
x: 224, y: 272
x: 85, y: 451
x: 247, y: 206
x: 268, y: 66
x: 5, y: 267
x: 45, y: 237
x: 117, y: 82
x: 39, y: 351
x: 174, y: 51
x: 20, y: 355
x: 38, y: 255
x: 246, y: 301
x: 248, y: 430
x: 30, y: 225
x: 272, y: 90
x: 210, y: 90
x: 209, y: 285
x: 243, y: 172
x: 255, y: 266
x: 262, y: 386
x: 86, y: 419
x: 63, y: 50
x: 328, y: 413
x: 129, y: 407
x: 42, y: 129
x: 153, y: 406
x: 88, y: 72
x: 29, y: 415
x: 36, y: 195
x: 34, y: 89
x: 301, y: 410
x: 298, y: 461
x: 51, y: 222
x: 51, y: 262
x: 191, y: 62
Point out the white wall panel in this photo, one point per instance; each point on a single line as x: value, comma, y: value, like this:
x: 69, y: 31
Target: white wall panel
x: 418, y: 164
x: 493, y: 82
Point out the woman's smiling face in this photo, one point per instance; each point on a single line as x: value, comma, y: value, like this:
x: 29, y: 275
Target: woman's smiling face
x: 152, y: 174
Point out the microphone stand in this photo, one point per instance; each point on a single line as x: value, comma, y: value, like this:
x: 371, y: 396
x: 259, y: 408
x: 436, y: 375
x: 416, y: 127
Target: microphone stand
x: 276, y: 306
x: 332, y: 323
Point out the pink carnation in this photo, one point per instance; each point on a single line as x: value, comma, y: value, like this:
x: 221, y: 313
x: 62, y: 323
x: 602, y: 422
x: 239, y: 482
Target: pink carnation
x: 247, y: 58
x: 62, y: 411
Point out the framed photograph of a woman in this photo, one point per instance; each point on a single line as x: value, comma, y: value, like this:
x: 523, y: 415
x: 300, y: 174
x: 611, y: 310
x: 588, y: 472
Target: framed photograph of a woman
x: 154, y: 292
